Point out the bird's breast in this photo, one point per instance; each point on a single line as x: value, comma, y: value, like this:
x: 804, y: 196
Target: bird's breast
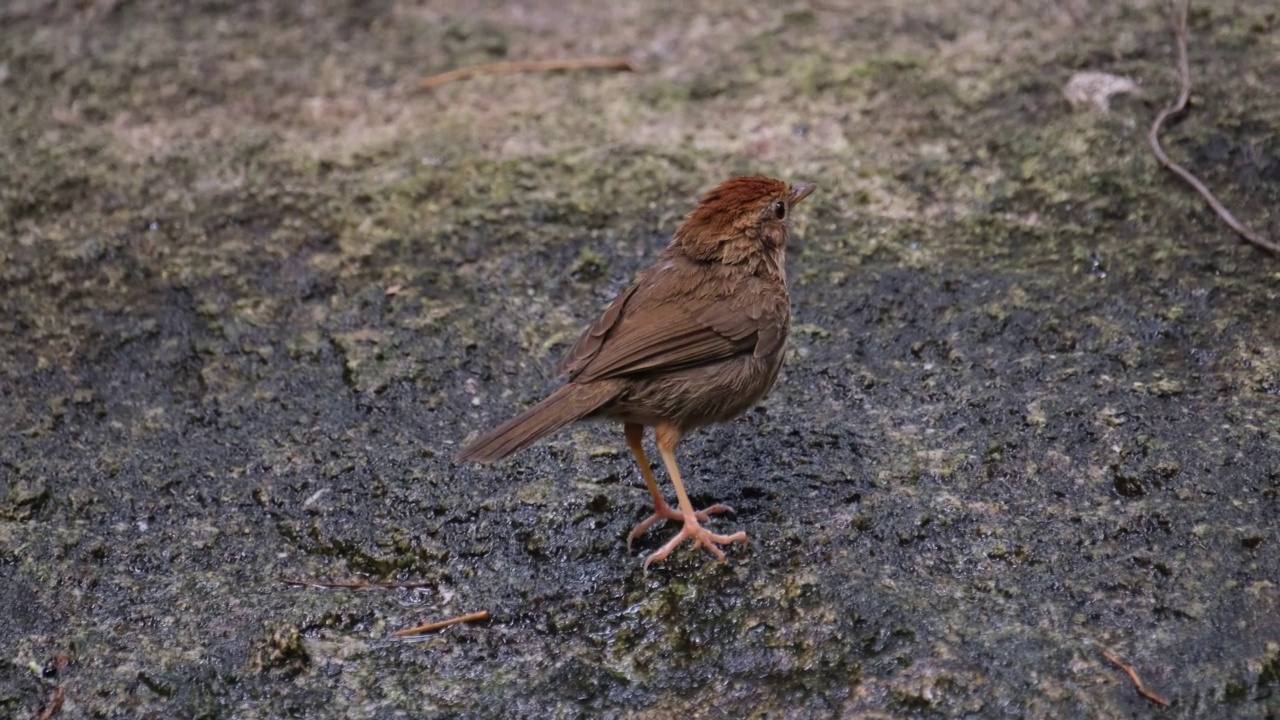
x: 698, y: 396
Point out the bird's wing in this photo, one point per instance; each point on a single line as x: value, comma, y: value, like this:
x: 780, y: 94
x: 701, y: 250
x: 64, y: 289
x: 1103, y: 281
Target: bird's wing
x: 591, y: 339
x: 666, y: 336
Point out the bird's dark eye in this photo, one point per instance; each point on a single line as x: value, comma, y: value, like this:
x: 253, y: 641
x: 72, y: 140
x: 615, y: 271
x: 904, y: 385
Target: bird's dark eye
x: 780, y: 210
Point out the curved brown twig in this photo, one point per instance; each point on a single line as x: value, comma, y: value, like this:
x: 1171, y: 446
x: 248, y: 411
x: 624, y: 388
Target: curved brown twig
x: 1137, y: 681
x: 1153, y: 138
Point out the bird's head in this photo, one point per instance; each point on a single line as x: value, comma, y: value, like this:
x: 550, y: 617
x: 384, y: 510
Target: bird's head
x: 741, y: 219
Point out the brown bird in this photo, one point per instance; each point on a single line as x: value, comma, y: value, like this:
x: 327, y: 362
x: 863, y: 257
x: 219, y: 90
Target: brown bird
x: 696, y: 339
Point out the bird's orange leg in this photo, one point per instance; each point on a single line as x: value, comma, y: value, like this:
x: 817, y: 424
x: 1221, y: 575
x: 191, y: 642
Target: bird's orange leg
x: 661, y: 510
x: 668, y: 437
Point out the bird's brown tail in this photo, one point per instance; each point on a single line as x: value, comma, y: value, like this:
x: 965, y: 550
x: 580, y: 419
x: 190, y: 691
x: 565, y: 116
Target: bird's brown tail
x: 569, y: 403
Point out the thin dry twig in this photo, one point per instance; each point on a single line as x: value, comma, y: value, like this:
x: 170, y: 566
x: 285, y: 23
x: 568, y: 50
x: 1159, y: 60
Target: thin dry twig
x: 357, y: 585
x: 1137, y: 682
x: 520, y: 66
x: 53, y: 705
x: 1153, y: 138
x: 432, y: 627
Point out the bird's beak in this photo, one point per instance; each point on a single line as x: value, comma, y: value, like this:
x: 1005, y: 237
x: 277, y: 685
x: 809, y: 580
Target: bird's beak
x: 801, y: 191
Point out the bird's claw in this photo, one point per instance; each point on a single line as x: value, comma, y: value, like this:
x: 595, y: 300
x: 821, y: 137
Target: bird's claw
x: 702, y: 536
x: 666, y: 512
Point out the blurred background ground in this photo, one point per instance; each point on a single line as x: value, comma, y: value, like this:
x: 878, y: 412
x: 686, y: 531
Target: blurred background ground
x: 256, y: 287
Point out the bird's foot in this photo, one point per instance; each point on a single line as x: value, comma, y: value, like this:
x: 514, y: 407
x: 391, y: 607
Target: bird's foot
x: 663, y: 511
x: 702, y: 536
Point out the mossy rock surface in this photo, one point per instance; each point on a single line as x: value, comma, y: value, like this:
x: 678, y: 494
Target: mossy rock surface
x: 256, y: 288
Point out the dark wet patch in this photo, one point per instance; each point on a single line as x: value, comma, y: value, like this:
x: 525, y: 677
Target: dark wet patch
x: 1034, y: 420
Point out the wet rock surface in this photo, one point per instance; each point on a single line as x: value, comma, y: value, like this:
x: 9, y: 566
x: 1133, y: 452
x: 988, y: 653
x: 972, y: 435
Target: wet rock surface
x: 255, y: 290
